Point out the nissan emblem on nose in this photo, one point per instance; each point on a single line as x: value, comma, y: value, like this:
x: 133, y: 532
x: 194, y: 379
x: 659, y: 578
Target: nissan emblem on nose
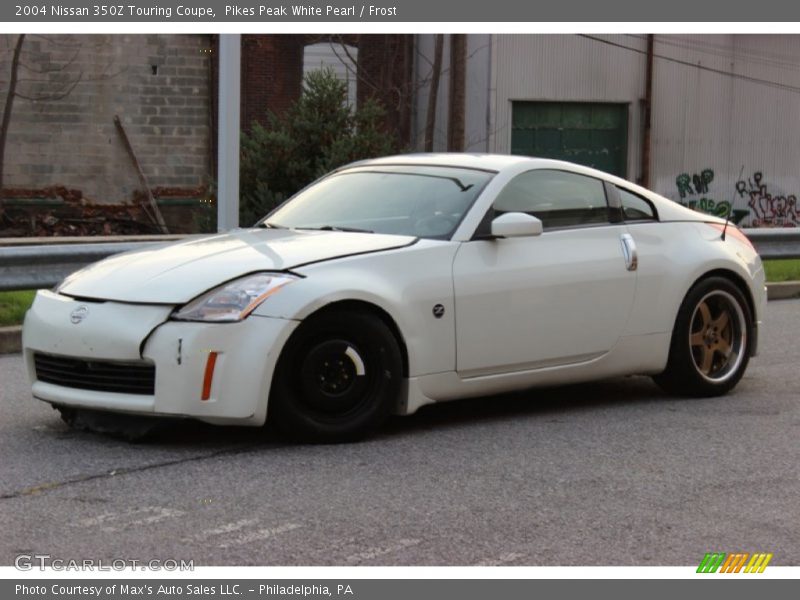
x: 438, y: 311
x: 79, y: 314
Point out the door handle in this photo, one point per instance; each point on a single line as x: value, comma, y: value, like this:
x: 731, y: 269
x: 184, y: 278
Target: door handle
x: 629, y: 251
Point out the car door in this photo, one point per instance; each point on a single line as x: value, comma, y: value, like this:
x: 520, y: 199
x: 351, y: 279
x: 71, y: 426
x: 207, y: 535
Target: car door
x: 558, y: 298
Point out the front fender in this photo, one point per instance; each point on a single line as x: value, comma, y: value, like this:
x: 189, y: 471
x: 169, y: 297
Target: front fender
x: 406, y: 284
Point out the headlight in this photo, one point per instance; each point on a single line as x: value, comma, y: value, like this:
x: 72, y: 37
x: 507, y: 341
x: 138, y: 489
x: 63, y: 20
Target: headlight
x: 234, y: 300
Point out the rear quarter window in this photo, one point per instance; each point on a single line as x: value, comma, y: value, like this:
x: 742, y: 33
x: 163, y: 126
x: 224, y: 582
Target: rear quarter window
x: 636, y: 207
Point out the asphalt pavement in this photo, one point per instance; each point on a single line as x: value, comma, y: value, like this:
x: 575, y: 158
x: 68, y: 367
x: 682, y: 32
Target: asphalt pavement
x: 611, y: 473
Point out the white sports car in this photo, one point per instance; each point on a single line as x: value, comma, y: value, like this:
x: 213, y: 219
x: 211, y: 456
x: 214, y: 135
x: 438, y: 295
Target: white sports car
x: 393, y: 283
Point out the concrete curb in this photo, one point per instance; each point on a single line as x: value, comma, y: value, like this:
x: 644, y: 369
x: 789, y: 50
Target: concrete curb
x: 11, y: 337
x: 783, y: 290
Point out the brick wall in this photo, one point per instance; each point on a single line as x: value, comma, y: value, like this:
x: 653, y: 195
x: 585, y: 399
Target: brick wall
x: 272, y: 75
x: 158, y: 85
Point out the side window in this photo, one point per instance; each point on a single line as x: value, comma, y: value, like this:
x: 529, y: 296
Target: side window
x: 636, y: 208
x: 557, y: 198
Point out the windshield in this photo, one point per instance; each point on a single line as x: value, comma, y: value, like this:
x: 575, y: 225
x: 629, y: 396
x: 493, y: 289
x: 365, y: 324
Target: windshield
x: 421, y: 201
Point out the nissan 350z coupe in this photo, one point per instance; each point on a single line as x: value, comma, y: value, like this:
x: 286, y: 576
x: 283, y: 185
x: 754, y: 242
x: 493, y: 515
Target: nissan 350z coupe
x: 394, y: 283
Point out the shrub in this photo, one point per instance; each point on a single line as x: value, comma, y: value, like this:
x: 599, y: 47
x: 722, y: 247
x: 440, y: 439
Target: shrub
x: 319, y: 133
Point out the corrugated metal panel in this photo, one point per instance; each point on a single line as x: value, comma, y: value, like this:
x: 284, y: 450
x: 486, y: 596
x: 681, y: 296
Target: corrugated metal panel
x: 692, y: 112
x: 726, y: 109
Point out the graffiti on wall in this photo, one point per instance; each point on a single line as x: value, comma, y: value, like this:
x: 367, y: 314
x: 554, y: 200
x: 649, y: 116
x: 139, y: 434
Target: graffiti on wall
x: 694, y: 192
x: 767, y: 210
x: 700, y: 182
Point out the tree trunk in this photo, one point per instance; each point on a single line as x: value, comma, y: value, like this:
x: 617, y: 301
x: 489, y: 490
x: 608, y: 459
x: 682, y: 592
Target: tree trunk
x: 10, y: 93
x: 457, y: 96
x: 430, y: 117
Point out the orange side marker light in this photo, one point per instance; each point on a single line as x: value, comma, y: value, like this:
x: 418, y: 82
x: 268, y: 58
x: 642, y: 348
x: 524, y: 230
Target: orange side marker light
x: 208, y: 378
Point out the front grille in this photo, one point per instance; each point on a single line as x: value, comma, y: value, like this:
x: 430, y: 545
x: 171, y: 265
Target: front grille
x: 97, y: 375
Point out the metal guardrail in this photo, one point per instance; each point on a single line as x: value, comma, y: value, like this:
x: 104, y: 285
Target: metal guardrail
x: 781, y: 242
x: 45, y: 265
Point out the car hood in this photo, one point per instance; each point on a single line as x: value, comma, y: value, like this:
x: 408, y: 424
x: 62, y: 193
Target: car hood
x: 177, y: 273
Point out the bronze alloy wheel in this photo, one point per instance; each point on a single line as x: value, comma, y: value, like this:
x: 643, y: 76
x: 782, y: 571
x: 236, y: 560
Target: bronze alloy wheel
x: 711, y: 341
x: 717, y: 336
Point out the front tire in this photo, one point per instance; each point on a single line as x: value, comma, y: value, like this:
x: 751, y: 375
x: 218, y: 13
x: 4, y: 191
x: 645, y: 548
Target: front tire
x: 338, y: 378
x: 711, y: 342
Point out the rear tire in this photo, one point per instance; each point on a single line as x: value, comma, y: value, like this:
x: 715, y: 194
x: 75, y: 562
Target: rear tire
x: 711, y: 342
x: 338, y: 378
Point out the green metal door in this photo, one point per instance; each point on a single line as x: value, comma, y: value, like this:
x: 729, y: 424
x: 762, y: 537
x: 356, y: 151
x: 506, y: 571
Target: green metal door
x: 594, y: 134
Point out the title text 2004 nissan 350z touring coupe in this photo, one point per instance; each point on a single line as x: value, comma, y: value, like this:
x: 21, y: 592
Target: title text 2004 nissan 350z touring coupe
x: 397, y: 282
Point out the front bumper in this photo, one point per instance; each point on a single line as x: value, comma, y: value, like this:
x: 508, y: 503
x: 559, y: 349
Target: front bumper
x: 246, y: 355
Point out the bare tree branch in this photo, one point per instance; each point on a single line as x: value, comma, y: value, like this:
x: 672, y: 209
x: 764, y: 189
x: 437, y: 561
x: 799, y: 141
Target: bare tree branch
x: 9, y: 105
x: 373, y: 85
x: 62, y: 41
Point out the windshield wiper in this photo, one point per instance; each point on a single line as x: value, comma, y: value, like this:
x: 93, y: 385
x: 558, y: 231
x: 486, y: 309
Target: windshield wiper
x: 268, y: 225
x: 455, y: 180
x: 336, y: 228
x: 460, y: 185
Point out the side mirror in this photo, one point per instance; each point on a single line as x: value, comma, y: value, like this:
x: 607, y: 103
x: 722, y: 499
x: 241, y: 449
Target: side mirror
x: 516, y: 224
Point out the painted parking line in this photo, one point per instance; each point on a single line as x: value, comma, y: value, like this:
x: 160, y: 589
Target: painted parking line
x: 376, y: 551
x: 503, y: 559
x: 259, y: 535
x: 231, y: 527
x: 137, y: 517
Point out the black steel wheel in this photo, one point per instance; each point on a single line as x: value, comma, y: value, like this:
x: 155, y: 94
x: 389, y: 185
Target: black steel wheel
x: 337, y: 379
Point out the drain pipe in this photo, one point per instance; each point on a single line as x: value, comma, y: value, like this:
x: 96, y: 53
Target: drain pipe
x: 647, y: 105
